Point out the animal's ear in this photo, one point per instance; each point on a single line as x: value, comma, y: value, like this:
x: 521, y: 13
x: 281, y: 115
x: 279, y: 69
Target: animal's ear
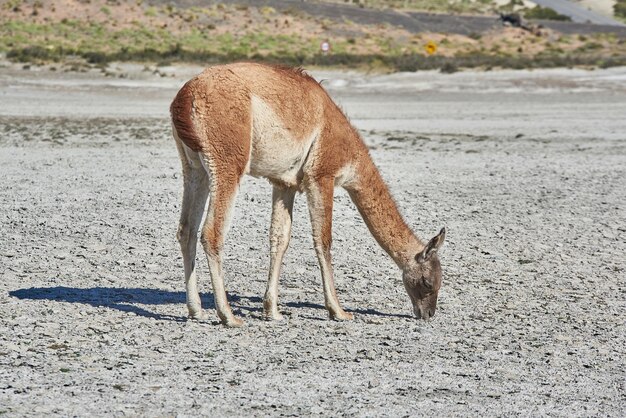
x: 431, y: 248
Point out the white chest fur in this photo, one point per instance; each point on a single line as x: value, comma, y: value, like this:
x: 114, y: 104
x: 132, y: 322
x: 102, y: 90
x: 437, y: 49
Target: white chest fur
x: 275, y: 153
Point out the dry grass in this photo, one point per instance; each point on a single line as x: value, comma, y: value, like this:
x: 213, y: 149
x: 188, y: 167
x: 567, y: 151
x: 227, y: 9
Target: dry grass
x: 103, y: 30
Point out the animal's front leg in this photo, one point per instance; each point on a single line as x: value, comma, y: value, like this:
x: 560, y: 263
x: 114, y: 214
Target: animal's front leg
x: 320, y: 200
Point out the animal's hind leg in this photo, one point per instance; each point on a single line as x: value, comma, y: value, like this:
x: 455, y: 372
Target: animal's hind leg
x: 280, y: 233
x: 223, y: 191
x: 195, y: 192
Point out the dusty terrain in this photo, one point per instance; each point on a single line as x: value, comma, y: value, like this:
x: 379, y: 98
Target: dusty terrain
x: 526, y: 169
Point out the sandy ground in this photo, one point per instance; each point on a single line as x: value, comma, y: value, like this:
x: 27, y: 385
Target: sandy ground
x: 604, y: 7
x: 526, y: 169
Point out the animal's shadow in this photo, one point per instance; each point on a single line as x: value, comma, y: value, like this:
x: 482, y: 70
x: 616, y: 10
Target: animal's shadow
x: 128, y: 299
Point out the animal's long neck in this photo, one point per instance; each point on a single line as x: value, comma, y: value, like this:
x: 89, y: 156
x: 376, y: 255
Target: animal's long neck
x: 379, y: 211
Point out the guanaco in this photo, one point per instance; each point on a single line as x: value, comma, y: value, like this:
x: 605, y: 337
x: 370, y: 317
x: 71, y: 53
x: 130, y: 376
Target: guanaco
x: 279, y: 123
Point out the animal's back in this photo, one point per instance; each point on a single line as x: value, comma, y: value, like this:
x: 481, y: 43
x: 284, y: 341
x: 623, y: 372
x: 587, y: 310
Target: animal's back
x: 263, y: 119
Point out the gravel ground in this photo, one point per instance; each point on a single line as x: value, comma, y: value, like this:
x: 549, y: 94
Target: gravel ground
x: 526, y: 169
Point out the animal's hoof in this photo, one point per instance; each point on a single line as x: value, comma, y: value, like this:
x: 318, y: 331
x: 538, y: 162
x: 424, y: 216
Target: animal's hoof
x: 199, y: 315
x: 273, y: 316
x: 342, y: 316
x: 233, y: 322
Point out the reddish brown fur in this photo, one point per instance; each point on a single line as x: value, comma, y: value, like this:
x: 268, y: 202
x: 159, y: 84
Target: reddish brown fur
x: 380, y: 213
x: 213, y: 116
x: 182, y: 110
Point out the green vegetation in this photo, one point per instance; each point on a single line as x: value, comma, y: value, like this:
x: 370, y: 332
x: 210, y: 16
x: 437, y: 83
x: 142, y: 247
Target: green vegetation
x: 224, y: 34
x: 13, y: 5
x: 619, y: 8
x: 151, y: 12
x: 31, y: 41
x: 405, y: 62
x: 546, y: 13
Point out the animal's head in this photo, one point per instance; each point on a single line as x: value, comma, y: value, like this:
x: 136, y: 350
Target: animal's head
x: 422, y: 278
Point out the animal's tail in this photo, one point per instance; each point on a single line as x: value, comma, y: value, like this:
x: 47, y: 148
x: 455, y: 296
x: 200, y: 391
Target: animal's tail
x: 181, y: 111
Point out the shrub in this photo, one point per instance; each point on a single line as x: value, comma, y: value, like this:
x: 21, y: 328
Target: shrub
x: 619, y: 8
x: 546, y: 13
x: 448, y: 68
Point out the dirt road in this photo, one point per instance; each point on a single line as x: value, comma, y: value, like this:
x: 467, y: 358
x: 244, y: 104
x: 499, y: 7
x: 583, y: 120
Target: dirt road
x: 526, y: 169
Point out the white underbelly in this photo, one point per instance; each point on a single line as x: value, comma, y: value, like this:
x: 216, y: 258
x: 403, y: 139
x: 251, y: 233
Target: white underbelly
x: 275, y: 153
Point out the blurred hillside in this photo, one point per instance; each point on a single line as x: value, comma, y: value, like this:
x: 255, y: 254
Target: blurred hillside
x: 82, y: 33
x: 433, y: 6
